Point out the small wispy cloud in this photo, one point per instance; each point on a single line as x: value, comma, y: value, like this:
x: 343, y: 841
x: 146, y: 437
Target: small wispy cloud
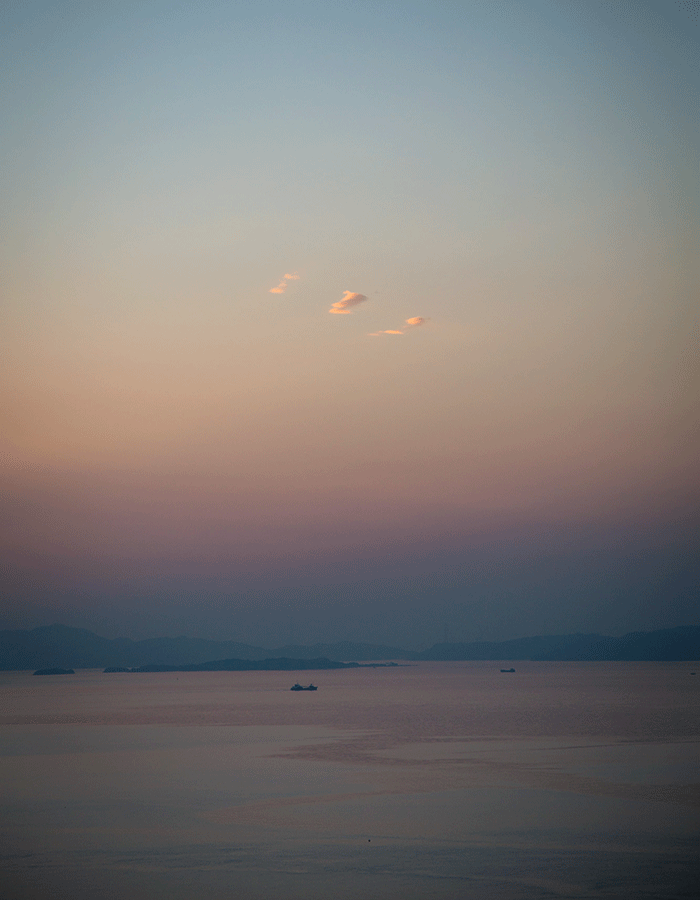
x: 342, y: 307
x: 411, y: 323
x: 282, y: 286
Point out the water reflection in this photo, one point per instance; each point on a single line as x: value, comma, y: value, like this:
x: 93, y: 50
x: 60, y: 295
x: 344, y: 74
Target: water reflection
x: 444, y: 780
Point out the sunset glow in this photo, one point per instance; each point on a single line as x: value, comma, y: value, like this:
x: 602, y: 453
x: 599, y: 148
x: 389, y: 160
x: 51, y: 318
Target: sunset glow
x: 181, y: 451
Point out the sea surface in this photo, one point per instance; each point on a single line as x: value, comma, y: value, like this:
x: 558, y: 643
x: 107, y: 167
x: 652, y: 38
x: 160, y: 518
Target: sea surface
x: 436, y: 780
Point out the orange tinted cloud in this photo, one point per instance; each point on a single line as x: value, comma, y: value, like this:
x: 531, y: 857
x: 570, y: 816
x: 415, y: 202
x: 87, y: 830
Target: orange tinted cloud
x: 349, y: 299
x: 414, y: 321
x: 282, y: 286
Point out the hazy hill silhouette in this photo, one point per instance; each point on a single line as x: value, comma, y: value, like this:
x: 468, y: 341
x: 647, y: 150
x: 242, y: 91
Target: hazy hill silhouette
x: 61, y: 645
x: 347, y: 650
x: 682, y: 643
x: 76, y: 648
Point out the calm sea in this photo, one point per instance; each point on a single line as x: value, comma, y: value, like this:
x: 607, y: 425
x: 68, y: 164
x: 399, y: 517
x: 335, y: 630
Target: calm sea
x: 441, y: 780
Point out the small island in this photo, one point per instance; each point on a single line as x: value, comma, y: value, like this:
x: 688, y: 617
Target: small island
x: 54, y: 672
x: 243, y: 665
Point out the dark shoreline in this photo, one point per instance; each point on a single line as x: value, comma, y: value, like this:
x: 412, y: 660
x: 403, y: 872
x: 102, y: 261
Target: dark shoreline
x: 282, y: 664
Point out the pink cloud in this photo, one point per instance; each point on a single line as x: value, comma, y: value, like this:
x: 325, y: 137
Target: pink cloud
x: 416, y: 320
x: 388, y: 331
x: 341, y: 307
x: 293, y: 277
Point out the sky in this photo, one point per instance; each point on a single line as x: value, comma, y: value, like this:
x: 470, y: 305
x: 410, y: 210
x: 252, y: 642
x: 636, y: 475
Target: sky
x: 349, y: 320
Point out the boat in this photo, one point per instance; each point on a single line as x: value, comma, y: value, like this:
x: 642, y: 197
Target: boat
x: 298, y: 687
x: 507, y: 670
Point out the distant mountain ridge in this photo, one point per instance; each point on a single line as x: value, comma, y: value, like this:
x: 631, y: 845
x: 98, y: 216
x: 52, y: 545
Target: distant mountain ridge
x: 682, y: 643
x: 76, y: 648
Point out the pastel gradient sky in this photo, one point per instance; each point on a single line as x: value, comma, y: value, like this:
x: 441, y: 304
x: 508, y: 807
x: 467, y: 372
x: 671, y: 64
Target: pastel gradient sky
x: 192, y: 444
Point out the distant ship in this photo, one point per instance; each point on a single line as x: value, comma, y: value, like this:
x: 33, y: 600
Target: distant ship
x: 507, y: 670
x: 298, y: 687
